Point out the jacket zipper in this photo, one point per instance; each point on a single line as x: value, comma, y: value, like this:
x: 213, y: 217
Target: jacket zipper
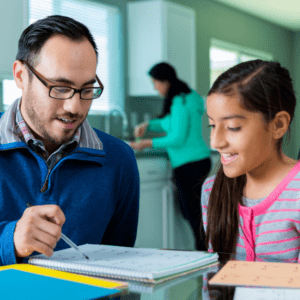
x: 45, y: 185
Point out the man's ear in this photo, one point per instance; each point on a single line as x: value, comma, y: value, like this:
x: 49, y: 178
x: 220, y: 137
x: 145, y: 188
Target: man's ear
x: 19, y: 74
x: 280, y: 124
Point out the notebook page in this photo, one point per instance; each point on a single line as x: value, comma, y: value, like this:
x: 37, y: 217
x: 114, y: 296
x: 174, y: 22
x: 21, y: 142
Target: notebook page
x: 133, y: 262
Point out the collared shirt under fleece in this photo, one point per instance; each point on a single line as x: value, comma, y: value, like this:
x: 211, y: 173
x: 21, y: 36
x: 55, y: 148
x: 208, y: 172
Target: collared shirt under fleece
x: 183, y: 127
x: 38, y: 146
x: 96, y: 185
x: 270, y: 229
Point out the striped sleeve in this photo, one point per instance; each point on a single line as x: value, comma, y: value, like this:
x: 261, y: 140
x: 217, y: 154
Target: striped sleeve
x: 277, y: 226
x: 205, y: 193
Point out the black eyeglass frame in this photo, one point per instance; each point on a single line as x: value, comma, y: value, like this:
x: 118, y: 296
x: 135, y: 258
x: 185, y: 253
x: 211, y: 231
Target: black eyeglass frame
x: 43, y: 80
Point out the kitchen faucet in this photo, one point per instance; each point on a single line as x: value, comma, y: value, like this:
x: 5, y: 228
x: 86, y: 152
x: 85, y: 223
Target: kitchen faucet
x: 114, y: 112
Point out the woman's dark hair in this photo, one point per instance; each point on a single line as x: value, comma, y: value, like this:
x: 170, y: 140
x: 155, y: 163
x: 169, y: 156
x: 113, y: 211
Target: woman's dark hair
x: 35, y: 36
x: 165, y: 72
x: 263, y: 87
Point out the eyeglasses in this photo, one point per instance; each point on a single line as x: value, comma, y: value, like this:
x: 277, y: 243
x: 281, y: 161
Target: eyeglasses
x: 66, y: 92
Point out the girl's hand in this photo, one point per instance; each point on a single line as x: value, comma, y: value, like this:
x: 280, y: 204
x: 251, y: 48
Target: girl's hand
x: 147, y: 143
x: 140, y: 129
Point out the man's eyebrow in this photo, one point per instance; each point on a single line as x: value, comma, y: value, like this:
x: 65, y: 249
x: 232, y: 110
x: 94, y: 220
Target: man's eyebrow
x: 231, y: 117
x: 69, y: 82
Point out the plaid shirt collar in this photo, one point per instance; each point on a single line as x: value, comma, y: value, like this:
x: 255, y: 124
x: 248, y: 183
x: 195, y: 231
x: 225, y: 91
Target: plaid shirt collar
x: 37, y: 145
x: 9, y: 133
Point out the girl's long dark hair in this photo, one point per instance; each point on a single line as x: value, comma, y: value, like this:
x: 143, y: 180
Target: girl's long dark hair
x: 165, y: 72
x: 263, y: 87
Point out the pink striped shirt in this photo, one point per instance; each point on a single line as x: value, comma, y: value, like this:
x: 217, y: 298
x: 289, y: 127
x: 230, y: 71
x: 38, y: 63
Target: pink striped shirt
x: 270, y: 229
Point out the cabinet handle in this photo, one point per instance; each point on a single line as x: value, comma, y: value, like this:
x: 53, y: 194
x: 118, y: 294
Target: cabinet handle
x: 152, y: 172
x: 167, y: 217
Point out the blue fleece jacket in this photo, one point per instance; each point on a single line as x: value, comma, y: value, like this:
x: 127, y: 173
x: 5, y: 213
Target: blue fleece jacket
x: 98, y: 191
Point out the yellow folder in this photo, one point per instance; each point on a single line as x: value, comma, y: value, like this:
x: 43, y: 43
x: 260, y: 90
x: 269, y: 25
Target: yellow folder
x: 105, y: 283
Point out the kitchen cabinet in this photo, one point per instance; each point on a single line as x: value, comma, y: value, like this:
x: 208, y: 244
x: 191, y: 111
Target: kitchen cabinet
x: 160, y: 31
x: 160, y: 222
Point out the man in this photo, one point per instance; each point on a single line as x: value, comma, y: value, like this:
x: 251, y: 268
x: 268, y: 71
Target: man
x: 80, y: 181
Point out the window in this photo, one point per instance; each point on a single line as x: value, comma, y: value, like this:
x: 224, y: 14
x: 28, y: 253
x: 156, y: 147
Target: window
x: 104, y: 22
x: 224, y: 56
x: 10, y: 92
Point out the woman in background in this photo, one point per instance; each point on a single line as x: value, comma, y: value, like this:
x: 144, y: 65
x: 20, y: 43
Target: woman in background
x: 181, y: 120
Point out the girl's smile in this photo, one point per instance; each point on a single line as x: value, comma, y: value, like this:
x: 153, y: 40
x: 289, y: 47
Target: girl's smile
x: 227, y: 158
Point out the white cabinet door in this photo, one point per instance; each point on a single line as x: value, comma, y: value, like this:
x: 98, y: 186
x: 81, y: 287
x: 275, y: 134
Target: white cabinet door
x: 181, y: 42
x: 151, y: 233
x: 160, y: 223
x: 155, y: 200
x: 160, y: 31
x: 145, y: 44
x: 183, y: 233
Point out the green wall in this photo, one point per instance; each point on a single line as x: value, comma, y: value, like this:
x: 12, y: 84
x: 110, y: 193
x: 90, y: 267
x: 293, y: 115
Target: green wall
x: 11, y: 27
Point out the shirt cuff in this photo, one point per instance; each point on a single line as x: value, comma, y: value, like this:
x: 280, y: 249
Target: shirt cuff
x: 7, y: 248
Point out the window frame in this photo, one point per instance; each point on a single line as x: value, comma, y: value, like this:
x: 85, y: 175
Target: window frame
x: 239, y: 50
x: 115, y: 74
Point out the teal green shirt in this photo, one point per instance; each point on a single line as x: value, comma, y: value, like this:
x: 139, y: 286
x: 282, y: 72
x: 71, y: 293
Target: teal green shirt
x: 183, y: 128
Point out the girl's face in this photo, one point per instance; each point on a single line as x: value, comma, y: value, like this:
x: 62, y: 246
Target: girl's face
x: 161, y: 86
x: 240, y: 136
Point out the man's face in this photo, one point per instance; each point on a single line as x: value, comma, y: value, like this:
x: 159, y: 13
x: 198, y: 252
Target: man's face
x: 62, y: 62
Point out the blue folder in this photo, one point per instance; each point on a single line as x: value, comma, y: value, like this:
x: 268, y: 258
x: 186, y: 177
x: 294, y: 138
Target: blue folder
x: 16, y: 284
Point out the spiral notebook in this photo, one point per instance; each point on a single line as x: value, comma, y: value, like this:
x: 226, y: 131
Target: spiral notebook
x: 151, y: 288
x: 145, y: 265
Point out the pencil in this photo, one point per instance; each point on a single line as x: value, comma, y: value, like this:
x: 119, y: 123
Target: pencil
x: 67, y: 240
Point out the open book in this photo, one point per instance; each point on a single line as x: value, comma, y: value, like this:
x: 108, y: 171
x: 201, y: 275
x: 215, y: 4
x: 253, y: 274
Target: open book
x: 147, y: 265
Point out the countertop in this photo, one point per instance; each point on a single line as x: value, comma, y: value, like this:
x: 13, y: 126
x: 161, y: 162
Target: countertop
x: 163, y: 153
x: 150, y: 153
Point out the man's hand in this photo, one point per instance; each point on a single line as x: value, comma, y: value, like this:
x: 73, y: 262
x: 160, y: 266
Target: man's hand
x: 39, y: 229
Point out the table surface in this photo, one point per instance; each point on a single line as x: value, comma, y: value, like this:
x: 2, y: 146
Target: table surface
x: 188, y: 287
x: 194, y: 287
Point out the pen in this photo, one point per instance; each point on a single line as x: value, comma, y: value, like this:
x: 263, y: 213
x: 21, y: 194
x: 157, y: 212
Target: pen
x: 67, y: 240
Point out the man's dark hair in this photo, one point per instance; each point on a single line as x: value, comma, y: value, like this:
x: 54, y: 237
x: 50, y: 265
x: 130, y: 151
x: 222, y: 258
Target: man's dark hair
x: 35, y: 36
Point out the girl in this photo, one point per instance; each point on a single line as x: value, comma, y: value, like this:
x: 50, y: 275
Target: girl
x: 251, y: 207
x: 189, y: 156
